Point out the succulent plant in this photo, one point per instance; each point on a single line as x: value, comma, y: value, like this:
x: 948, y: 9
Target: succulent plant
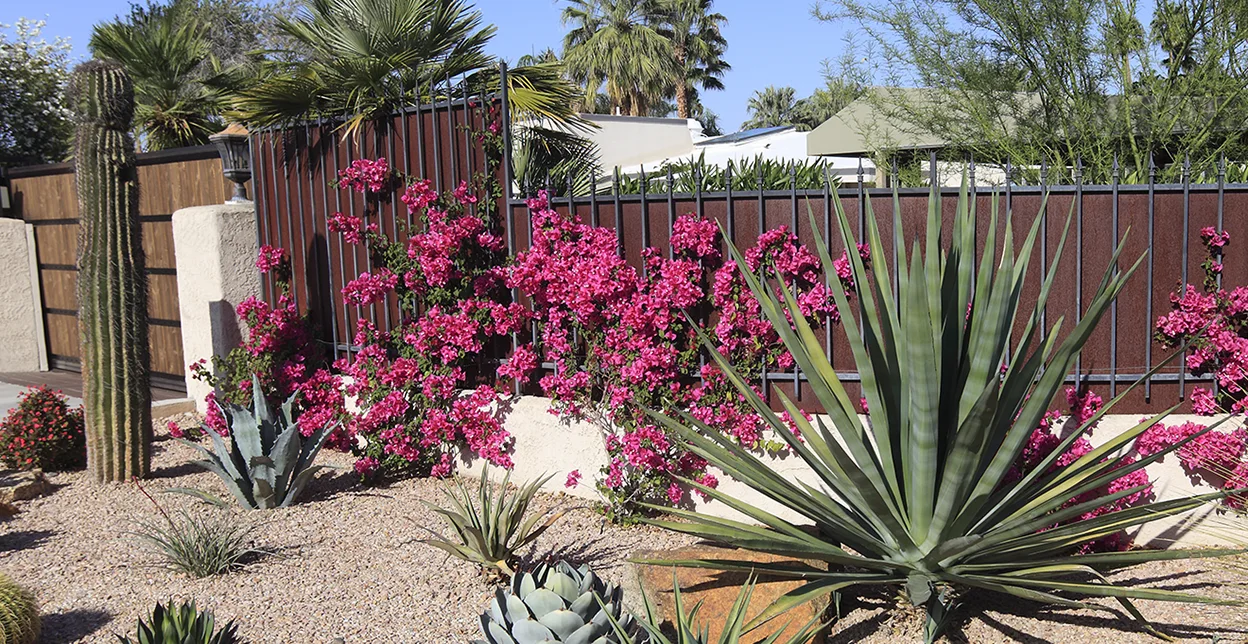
x: 19, y: 614
x: 490, y: 527
x: 112, y: 287
x: 689, y: 630
x: 559, y: 603
x: 270, y: 462
x: 183, y: 624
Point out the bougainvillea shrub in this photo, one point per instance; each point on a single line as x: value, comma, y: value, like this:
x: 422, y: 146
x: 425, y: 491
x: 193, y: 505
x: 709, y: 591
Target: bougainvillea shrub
x: 1215, y: 321
x: 43, y: 432
x: 620, y: 339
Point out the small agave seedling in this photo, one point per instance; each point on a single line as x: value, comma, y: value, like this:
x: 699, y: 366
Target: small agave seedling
x: 269, y: 462
x: 732, y: 631
x: 559, y: 603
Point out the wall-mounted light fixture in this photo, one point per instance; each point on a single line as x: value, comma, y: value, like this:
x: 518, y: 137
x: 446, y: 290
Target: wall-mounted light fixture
x: 233, y: 143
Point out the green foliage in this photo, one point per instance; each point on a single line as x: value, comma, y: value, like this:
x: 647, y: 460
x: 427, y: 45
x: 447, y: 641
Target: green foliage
x: 771, y: 107
x: 616, y: 45
x: 268, y: 463
x: 1061, y: 80
x: 752, y: 174
x: 174, y: 55
x: 182, y: 624
x: 562, y: 157
x: 559, y: 603
x: 695, y: 31
x: 43, y: 432
x: 920, y: 497
x: 112, y: 287
x: 200, y: 545
x: 35, y: 125
x: 490, y: 528
x: 19, y: 614
x: 732, y: 631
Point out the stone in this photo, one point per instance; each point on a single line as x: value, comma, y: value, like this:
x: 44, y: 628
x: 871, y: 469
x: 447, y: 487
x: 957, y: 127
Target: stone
x: 17, y: 485
x: 718, y: 590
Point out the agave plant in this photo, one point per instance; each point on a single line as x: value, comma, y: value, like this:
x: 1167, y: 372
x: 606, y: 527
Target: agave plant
x: 732, y: 631
x: 268, y: 463
x: 183, y: 624
x: 491, y: 528
x: 559, y: 603
x: 918, y: 496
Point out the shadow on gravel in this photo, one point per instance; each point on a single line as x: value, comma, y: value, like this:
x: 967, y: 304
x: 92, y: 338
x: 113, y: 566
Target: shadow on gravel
x: 71, y: 626
x: 23, y: 539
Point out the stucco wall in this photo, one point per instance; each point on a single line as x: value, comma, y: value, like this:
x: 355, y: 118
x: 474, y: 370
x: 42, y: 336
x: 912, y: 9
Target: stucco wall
x: 547, y: 445
x: 19, y: 313
x: 215, y: 248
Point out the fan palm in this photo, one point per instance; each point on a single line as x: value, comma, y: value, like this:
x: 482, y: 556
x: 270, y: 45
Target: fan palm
x: 698, y: 45
x: 177, y: 81
x: 367, y: 58
x: 920, y: 495
x: 617, y: 43
x: 771, y: 107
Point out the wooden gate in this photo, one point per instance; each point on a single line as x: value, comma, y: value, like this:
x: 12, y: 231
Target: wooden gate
x: 45, y: 197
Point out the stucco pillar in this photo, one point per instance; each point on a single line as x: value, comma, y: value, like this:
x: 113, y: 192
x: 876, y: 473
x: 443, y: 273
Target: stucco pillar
x: 21, y: 317
x: 215, y: 248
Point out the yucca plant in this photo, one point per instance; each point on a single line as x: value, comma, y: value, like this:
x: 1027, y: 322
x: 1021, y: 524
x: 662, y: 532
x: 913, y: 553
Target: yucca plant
x: 182, y: 624
x: 489, y: 527
x: 269, y: 462
x: 918, y: 496
x: 199, y: 545
x: 733, y: 631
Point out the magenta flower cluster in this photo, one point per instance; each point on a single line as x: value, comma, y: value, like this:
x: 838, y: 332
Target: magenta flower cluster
x: 366, y: 176
x: 619, y: 340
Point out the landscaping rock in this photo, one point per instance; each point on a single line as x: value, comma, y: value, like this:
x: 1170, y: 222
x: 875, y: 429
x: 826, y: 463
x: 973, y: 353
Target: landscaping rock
x: 16, y: 485
x: 718, y: 590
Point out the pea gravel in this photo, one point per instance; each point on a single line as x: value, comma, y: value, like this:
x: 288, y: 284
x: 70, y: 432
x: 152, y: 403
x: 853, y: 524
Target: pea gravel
x: 346, y: 564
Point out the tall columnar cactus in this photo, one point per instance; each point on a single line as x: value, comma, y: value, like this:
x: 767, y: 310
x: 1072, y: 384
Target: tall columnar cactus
x: 112, y: 287
x: 19, y: 614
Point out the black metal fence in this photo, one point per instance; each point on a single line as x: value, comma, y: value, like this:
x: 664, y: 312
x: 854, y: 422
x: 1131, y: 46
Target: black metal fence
x: 294, y: 167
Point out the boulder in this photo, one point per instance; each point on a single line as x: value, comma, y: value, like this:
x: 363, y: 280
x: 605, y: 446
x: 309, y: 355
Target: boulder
x: 19, y: 485
x: 718, y: 590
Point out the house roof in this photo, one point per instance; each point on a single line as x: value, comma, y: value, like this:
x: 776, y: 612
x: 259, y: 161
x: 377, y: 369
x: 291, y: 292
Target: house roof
x: 864, y: 126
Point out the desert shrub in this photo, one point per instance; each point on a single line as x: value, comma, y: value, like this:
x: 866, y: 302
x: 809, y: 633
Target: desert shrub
x: 491, y: 526
x: 181, y: 624
x: 927, y: 496
x: 43, y: 432
x: 201, y: 545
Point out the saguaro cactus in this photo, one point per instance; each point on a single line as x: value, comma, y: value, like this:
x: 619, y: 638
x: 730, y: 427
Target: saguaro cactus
x: 112, y: 288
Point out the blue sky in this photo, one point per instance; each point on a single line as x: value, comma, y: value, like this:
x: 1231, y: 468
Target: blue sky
x: 770, y: 42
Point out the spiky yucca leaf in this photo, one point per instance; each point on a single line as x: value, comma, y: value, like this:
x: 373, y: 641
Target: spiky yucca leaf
x: 689, y: 630
x: 918, y: 496
x: 490, y: 528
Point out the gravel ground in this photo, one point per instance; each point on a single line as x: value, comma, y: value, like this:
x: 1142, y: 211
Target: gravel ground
x: 347, y: 566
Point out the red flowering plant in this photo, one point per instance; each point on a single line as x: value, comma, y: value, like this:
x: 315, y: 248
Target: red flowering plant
x: 413, y: 382
x: 1215, y: 322
x: 43, y: 432
x: 620, y: 340
x: 280, y: 349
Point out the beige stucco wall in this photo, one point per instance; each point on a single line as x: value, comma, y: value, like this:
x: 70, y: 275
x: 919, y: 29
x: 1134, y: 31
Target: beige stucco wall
x: 215, y: 248
x: 20, y: 321
x: 547, y: 445
x: 629, y: 140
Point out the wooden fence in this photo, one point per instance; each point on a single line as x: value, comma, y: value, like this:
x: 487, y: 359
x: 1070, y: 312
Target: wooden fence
x: 45, y: 196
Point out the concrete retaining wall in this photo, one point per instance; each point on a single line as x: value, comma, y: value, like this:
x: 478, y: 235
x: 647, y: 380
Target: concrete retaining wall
x: 21, y: 321
x: 545, y: 444
x: 215, y: 249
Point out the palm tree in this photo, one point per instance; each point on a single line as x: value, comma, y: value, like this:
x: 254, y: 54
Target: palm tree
x: 771, y: 107
x: 367, y: 58
x: 617, y: 43
x: 178, y: 83
x: 698, y: 45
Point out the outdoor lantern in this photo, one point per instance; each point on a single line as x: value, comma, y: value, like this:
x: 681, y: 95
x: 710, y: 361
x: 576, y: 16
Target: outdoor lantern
x: 232, y: 144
